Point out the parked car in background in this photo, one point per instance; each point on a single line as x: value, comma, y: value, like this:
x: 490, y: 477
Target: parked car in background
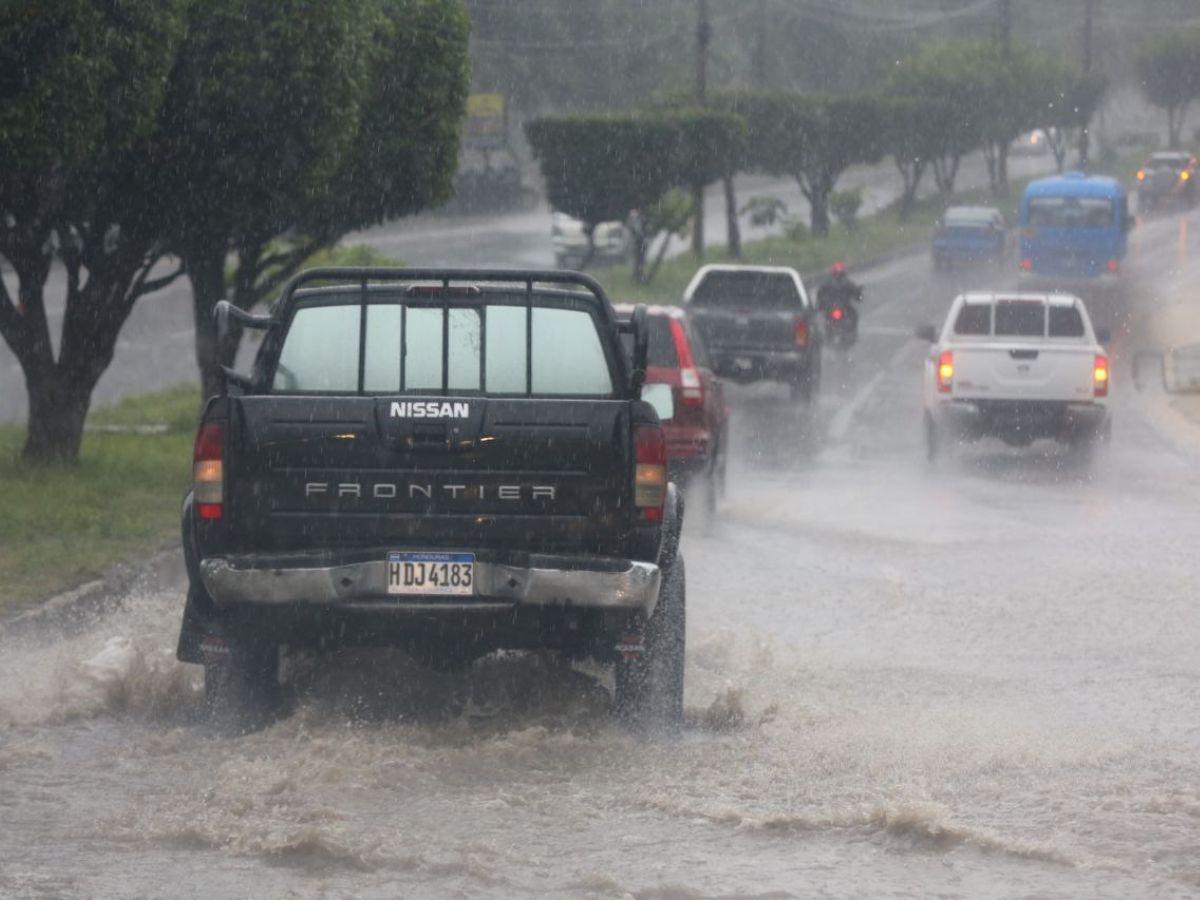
x: 1167, y: 178
x: 571, y: 242
x: 966, y: 235
x: 691, y: 402
x: 758, y: 325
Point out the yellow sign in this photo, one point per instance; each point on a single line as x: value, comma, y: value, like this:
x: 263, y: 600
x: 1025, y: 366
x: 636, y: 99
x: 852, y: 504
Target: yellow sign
x: 485, y: 105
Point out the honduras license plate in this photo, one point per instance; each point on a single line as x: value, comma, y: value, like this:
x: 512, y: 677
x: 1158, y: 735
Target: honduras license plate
x: 430, y: 573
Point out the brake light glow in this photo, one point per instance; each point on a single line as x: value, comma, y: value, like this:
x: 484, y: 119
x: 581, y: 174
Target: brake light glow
x: 650, y: 475
x: 691, y: 388
x: 1026, y: 265
x: 945, y: 372
x: 1141, y: 175
x: 801, y: 334
x: 1113, y: 266
x: 1100, y: 376
x: 836, y: 314
x: 208, y: 470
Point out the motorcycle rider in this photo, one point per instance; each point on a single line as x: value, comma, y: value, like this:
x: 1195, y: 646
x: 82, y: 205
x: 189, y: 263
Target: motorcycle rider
x: 840, y: 291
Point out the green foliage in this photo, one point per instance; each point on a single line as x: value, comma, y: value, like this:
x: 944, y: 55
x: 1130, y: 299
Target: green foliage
x: 710, y: 144
x: 1168, y: 69
x: 619, y: 166
x: 80, y: 88
x: 845, y: 206
x: 80, y: 82
x: 813, y: 139
x: 263, y: 102
x: 763, y: 211
x: 404, y: 154
x: 599, y: 168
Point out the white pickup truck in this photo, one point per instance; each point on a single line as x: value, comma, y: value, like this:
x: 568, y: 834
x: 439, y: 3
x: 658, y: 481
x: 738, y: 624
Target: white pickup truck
x: 1017, y: 367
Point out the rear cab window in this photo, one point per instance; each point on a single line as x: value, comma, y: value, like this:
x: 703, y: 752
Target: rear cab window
x: 1020, y: 318
x: 336, y: 344
x: 758, y: 291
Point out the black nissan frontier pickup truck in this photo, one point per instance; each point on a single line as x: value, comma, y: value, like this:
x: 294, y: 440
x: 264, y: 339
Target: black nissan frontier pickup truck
x: 452, y: 462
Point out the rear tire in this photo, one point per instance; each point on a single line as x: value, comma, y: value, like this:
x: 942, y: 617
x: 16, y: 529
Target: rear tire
x: 241, y: 686
x: 649, y: 689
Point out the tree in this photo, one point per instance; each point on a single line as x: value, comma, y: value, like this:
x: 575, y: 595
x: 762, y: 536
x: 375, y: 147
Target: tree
x: 913, y: 139
x: 1168, y: 69
x: 1067, y: 100
x: 386, y: 82
x: 81, y: 82
x: 604, y: 167
x: 711, y: 146
x: 290, y: 125
x: 812, y: 139
x: 945, y: 74
x: 619, y: 166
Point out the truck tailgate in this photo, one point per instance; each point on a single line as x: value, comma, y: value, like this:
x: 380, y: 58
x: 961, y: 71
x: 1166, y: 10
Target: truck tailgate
x: 730, y: 330
x: 1023, y: 371
x: 315, y: 472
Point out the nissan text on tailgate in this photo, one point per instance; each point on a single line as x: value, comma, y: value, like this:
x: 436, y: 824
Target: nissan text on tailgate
x: 450, y: 462
x: 1017, y: 367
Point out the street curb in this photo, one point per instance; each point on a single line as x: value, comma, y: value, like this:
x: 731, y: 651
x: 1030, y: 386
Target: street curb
x: 71, y: 611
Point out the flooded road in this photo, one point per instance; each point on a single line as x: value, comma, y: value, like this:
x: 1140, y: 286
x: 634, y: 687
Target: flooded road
x: 976, y: 680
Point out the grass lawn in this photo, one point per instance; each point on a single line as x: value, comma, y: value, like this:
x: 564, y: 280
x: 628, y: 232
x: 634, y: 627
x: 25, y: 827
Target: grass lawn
x: 878, y: 235
x: 61, y: 527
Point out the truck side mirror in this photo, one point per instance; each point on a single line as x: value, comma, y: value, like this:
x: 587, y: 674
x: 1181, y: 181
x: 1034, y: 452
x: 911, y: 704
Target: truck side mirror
x: 641, y: 348
x: 927, y: 333
x: 226, y: 316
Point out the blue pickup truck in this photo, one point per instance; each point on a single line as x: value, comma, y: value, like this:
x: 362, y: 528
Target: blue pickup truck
x: 967, y: 235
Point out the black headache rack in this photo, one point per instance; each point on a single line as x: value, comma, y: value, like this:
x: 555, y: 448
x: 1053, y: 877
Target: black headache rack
x: 449, y: 289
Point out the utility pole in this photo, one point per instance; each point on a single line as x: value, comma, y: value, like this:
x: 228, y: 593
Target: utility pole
x: 703, y: 36
x: 1089, y: 17
x: 1006, y: 26
x: 760, y: 50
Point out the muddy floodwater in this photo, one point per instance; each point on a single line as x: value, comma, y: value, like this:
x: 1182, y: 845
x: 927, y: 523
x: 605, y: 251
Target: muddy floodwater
x: 979, y: 680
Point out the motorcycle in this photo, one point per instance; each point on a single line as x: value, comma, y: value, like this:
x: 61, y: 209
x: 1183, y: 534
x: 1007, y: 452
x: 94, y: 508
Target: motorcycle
x: 841, y: 325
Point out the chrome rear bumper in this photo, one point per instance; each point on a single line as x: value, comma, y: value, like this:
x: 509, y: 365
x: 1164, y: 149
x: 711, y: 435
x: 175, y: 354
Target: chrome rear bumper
x: 548, y: 580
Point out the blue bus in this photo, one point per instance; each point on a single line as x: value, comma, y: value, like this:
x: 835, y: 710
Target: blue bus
x: 1073, y: 226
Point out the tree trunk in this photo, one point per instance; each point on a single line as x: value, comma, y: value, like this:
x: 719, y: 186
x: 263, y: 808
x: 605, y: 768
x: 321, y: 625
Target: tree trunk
x: 698, y: 221
x: 911, y: 173
x: 732, y: 228
x: 58, y: 406
x: 1002, y: 166
x: 818, y: 202
x: 658, y: 257
x: 206, y: 271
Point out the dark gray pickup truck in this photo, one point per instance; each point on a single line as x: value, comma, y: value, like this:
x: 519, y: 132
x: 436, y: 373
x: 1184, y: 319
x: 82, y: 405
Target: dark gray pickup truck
x: 451, y: 462
x: 757, y: 324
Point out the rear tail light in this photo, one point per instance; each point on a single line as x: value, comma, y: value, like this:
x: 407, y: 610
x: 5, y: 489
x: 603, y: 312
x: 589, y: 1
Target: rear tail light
x: 801, y: 333
x: 1114, y: 266
x: 1141, y: 175
x: 836, y: 314
x: 1026, y: 265
x: 1185, y: 175
x: 691, y: 391
x: 650, y: 475
x: 208, y: 470
x: 945, y: 372
x: 691, y: 388
x: 1100, y: 376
